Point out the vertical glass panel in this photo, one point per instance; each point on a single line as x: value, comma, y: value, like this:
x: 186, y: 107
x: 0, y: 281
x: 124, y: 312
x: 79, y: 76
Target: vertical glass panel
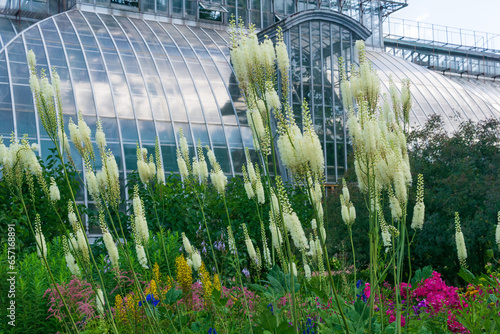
x: 148, y: 132
x: 129, y: 130
x: 217, y: 135
x: 238, y: 156
x: 222, y: 156
x: 341, y: 160
x: 6, y: 117
x: 130, y: 156
x: 305, y: 62
x: 317, y: 64
x: 110, y: 128
x: 165, y: 132
x: 247, y: 136
x: 117, y: 152
x: 46, y: 146
x: 169, y: 158
x: 186, y: 130
x: 233, y: 136
x: 200, y: 134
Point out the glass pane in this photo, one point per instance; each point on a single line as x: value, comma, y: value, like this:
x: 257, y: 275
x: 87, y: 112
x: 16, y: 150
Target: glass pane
x: 129, y: 130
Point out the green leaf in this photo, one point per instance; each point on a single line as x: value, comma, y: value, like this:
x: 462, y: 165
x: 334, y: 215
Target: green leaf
x: 466, y: 275
x: 172, y: 296
x: 218, y: 300
x: 285, y: 328
x: 421, y: 275
x: 319, y: 293
x: 267, y: 320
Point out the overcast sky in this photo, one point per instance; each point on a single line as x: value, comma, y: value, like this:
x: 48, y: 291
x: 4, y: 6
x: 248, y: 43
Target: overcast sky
x: 479, y: 15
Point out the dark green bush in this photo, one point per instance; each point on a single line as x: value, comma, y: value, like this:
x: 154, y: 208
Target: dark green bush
x: 462, y: 174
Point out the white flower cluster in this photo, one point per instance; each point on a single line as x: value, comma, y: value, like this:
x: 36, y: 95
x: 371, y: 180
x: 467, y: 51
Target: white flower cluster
x: 19, y: 157
x: 252, y: 180
x: 54, y: 190
x: 200, y: 167
x: 293, y: 269
x: 160, y: 172
x: 231, y: 241
x: 460, y: 242
x: 294, y: 226
x: 386, y: 236
x: 80, y: 136
x: 147, y: 169
x: 348, y: 210
x: 196, y: 260
x: 307, y: 271
x: 419, y: 209
x: 396, y: 210
x: 141, y: 255
x: 183, y: 155
x: 141, y: 225
x: 259, y: 130
x: 92, y: 184
x: 100, y: 136
x: 250, y: 249
x: 217, y: 176
x: 187, y: 245
x: 41, y: 246
x: 78, y: 239
x: 255, y: 66
x: 46, y: 98
x: 378, y: 138
x: 81, y: 239
x: 194, y: 257
x: 109, y: 242
x: 70, y: 260
x: 108, y: 178
x: 315, y: 249
x: 99, y: 301
x: 300, y: 152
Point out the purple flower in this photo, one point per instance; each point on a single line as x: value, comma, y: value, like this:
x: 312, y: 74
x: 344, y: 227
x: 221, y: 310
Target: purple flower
x: 220, y: 246
x: 246, y: 272
x: 212, y: 331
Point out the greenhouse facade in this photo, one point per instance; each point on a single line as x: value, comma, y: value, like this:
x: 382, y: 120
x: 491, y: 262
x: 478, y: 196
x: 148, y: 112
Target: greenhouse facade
x: 149, y: 68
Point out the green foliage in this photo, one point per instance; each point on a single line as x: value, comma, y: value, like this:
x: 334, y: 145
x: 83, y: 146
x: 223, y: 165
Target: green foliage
x: 31, y: 283
x: 11, y: 209
x: 461, y: 173
x: 176, y: 207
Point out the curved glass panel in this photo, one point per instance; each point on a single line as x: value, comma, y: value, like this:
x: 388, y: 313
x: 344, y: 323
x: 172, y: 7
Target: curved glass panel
x: 450, y: 96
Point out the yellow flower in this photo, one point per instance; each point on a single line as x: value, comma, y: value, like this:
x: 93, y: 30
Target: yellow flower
x: 184, y: 274
x: 152, y: 288
x: 217, y: 284
x: 205, y: 281
x: 156, y: 272
x: 120, y: 309
x: 132, y: 302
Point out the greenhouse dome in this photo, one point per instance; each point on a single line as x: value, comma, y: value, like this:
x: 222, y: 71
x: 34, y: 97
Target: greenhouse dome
x: 148, y: 69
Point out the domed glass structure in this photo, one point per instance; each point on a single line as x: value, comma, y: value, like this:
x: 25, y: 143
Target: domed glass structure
x: 148, y: 68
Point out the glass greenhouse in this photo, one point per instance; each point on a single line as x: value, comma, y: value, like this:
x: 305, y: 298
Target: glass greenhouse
x: 148, y: 68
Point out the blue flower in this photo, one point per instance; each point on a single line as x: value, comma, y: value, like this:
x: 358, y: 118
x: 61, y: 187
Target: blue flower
x: 359, y: 283
x: 212, y: 331
x: 150, y: 299
x: 309, y: 327
x: 270, y: 307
